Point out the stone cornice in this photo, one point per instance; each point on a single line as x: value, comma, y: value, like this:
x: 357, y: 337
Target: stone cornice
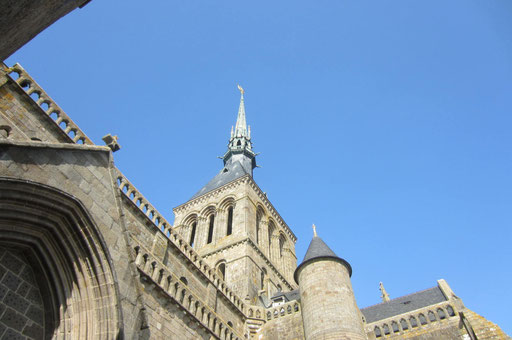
x: 271, y: 209
x: 244, y: 179
x: 205, y: 197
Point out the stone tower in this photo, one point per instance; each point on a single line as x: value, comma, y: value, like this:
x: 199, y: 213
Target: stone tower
x: 329, y: 309
x: 232, y: 224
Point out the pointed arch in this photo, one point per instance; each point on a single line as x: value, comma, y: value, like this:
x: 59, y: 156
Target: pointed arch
x: 282, y: 244
x: 69, y: 256
x: 271, y: 230
x: 260, y: 214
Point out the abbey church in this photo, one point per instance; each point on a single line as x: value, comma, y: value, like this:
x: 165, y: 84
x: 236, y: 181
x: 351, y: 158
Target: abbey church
x: 85, y: 255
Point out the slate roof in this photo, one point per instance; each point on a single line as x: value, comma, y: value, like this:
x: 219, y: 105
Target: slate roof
x: 228, y: 174
x: 318, y: 249
x: 403, y: 304
x: 290, y: 296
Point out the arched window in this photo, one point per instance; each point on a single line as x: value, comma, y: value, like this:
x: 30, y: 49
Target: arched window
x: 413, y: 322
x: 386, y: 329
x: 230, y: 221
x: 221, y: 269
x: 184, y: 280
x: 377, y: 332
x: 450, y: 311
x: 431, y: 316
x: 258, y: 225
x: 422, y: 318
x: 210, y: 229
x: 282, y: 241
x: 394, y: 325
x: 441, y: 313
x: 404, y: 324
x: 193, y: 234
x: 270, y: 233
x: 263, y: 275
x: 279, y: 289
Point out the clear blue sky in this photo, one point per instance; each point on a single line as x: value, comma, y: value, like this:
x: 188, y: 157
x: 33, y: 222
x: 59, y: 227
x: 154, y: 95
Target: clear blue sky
x: 386, y: 123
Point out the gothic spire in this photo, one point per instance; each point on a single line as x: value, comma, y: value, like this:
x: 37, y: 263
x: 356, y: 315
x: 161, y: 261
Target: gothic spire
x: 239, y: 159
x: 240, y: 145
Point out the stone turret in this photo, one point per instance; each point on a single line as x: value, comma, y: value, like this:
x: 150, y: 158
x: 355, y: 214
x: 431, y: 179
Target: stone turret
x: 329, y: 309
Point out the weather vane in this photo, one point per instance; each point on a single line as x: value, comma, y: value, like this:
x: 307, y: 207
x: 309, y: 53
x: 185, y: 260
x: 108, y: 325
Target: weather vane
x: 241, y: 89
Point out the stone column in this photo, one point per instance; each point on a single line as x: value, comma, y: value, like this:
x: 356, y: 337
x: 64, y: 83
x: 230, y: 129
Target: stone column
x: 201, y: 232
x: 274, y: 250
x: 264, y: 237
x: 221, y: 224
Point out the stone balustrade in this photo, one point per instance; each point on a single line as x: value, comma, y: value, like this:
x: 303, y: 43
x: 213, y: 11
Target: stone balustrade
x: 158, y: 274
x: 285, y: 309
x: 44, y: 101
x: 162, y: 226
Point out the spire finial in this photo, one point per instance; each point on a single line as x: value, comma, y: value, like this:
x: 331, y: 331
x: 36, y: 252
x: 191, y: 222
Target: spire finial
x: 241, y: 125
x: 385, y: 295
x: 314, y: 230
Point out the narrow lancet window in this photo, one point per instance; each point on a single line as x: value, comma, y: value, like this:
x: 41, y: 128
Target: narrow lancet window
x: 193, y: 234
x: 258, y: 221
x: 230, y: 221
x: 210, y: 229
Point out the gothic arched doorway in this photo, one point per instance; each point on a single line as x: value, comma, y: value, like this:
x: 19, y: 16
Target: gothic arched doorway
x: 56, y: 275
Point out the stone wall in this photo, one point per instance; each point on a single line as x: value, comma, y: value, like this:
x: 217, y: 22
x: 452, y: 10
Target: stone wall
x: 21, y: 306
x: 283, y: 322
x: 329, y: 307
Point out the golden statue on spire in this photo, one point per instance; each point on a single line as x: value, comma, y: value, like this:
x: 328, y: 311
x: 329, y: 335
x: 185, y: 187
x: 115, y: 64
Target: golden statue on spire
x: 240, y: 89
x: 314, y: 230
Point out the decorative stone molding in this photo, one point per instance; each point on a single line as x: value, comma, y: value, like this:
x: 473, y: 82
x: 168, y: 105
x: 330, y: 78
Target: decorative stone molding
x: 29, y: 85
x: 175, y: 289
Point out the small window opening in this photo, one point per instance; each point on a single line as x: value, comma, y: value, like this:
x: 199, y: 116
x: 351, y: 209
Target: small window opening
x: 210, y: 229
x: 432, y: 316
x: 184, y: 280
x: 423, y: 320
x: 222, y: 270
x: 193, y: 235
x: 230, y: 221
x: 377, y: 332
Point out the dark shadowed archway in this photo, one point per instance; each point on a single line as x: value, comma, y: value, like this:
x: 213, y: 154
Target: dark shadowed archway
x: 48, y: 235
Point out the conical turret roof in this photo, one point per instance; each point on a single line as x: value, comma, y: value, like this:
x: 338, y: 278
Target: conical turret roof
x: 318, y: 250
